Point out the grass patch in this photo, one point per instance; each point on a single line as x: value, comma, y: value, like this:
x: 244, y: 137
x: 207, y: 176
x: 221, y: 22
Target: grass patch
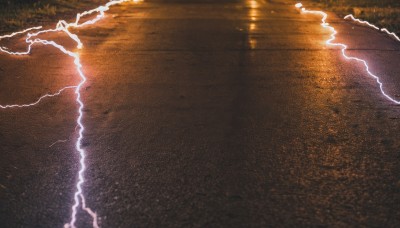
x: 17, y: 14
x: 383, y: 13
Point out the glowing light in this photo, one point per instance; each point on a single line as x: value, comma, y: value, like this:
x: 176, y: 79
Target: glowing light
x: 253, y: 12
x: 252, y: 26
x: 252, y: 43
x: 392, y: 34
x: 253, y: 4
x: 31, y: 39
x: 343, y: 48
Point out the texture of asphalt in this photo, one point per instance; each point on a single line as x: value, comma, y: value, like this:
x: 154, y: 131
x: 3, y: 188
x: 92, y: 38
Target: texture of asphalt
x: 203, y: 113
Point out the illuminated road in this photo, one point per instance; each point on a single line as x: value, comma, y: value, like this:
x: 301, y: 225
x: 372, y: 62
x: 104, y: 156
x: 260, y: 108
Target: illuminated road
x: 206, y: 113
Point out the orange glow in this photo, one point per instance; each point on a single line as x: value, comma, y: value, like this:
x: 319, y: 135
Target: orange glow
x: 253, y: 26
x: 252, y: 43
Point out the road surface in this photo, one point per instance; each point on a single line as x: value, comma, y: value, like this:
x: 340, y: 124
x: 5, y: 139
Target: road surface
x: 231, y: 113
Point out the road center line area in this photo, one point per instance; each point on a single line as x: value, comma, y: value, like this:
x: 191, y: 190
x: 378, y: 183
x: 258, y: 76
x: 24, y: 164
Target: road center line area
x: 199, y: 113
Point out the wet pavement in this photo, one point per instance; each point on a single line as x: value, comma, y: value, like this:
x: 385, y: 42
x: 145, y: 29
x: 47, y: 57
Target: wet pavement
x: 205, y: 113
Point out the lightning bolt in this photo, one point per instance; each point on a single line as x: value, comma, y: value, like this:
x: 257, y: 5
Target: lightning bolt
x: 343, y: 47
x: 31, y: 39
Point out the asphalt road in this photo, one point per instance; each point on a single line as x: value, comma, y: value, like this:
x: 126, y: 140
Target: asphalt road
x: 201, y: 113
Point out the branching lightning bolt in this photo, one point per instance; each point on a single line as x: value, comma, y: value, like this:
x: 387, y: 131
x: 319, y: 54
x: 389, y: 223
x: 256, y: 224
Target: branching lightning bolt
x: 38, y: 100
x: 31, y: 39
x: 343, y: 47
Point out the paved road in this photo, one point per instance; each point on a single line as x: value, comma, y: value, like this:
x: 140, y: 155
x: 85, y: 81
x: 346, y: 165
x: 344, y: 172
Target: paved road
x: 201, y: 113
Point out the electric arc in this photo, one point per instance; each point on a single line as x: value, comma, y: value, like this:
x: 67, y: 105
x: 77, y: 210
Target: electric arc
x: 385, y: 30
x: 32, y: 39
